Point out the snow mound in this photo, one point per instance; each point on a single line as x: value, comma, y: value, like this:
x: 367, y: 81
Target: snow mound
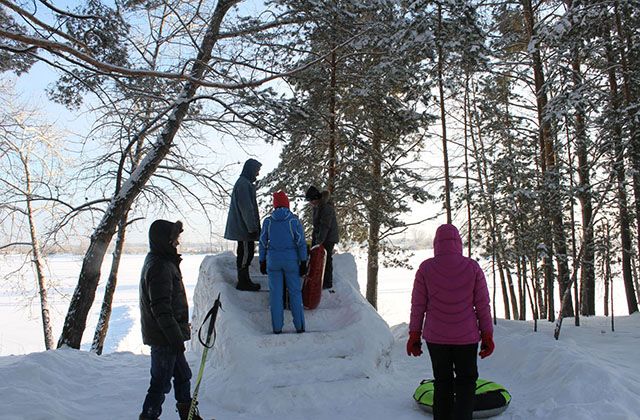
x: 251, y: 370
x: 72, y: 384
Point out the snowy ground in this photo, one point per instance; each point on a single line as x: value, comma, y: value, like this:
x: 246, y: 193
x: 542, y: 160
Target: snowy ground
x: 347, y: 366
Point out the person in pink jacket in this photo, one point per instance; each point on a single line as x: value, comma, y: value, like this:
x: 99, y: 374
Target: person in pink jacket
x: 450, y: 310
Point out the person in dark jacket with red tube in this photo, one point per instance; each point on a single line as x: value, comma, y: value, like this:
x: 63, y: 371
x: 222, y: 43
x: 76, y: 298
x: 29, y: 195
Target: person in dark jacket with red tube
x: 325, y: 228
x: 451, y: 301
x: 164, y: 316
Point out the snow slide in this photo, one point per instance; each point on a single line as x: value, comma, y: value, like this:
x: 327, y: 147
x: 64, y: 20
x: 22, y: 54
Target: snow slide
x: 346, y: 348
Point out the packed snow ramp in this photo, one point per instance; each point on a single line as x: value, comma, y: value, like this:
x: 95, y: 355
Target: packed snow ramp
x: 346, y: 345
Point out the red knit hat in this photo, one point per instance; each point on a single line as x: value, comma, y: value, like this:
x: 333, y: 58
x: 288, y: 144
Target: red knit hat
x: 280, y: 199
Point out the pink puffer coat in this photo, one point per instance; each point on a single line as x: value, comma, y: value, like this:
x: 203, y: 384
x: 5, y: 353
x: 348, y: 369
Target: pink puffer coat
x: 450, y: 294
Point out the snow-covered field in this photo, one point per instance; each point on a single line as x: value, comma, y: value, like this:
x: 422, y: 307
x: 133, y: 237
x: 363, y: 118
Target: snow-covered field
x: 347, y: 366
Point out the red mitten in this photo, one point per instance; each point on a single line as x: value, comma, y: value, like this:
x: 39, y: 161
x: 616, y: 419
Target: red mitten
x: 487, y: 346
x: 414, y: 344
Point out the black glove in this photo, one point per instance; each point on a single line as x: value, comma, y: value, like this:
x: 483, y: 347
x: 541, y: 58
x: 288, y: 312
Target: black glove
x: 263, y: 267
x: 303, y: 268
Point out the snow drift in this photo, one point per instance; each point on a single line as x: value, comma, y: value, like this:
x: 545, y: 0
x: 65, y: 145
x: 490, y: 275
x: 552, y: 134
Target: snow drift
x: 347, y: 344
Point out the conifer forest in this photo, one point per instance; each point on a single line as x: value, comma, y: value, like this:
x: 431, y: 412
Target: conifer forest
x: 518, y: 120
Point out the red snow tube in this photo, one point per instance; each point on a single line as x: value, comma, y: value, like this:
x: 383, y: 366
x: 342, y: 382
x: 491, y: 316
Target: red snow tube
x: 312, y: 285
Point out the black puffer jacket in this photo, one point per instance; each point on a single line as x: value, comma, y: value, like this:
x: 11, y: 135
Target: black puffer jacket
x: 325, y: 225
x: 163, y: 302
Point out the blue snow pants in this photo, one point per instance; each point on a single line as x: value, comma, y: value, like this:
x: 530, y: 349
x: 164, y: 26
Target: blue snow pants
x: 279, y: 272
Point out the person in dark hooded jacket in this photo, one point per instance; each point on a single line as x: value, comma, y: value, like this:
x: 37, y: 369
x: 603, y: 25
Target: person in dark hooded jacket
x: 243, y: 222
x: 325, y: 228
x: 164, y: 316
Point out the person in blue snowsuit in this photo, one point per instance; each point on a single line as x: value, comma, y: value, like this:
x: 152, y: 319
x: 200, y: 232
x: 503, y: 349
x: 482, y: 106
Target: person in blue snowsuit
x: 282, y: 253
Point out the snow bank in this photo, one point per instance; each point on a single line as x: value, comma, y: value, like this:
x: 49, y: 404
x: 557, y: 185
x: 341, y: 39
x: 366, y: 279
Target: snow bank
x: 252, y: 370
x: 72, y: 384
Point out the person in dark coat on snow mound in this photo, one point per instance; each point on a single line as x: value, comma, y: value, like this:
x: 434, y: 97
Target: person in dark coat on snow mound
x: 451, y: 299
x: 164, y: 317
x: 243, y: 222
x: 325, y: 228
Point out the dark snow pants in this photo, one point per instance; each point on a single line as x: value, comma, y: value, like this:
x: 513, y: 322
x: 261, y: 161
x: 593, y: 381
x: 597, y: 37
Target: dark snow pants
x: 166, y: 363
x: 327, y: 282
x: 244, y: 254
x: 453, y: 395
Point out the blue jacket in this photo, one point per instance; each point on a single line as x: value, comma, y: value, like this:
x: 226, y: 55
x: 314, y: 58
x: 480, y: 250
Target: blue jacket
x: 243, y: 220
x: 282, y: 237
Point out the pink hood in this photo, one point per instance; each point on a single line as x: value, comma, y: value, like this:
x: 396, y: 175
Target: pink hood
x: 450, y: 297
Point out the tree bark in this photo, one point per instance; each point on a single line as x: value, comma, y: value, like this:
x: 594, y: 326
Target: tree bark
x: 333, y: 125
x: 629, y: 53
x: 374, y: 222
x: 84, y: 294
x: 587, y: 268
x: 466, y: 165
x: 443, y: 120
x: 105, y: 312
x: 618, y: 168
x: 551, y: 187
x: 38, y: 261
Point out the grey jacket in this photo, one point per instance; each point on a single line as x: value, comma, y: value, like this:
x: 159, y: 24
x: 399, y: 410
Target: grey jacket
x: 325, y: 225
x: 243, y: 220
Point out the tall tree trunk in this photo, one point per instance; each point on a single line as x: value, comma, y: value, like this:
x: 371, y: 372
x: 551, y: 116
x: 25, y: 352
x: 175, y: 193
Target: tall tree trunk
x: 38, y: 260
x: 374, y: 221
x: 618, y: 167
x: 512, y: 292
x: 606, y: 273
x: 84, y: 294
x: 573, y: 226
x: 629, y: 53
x: 505, y: 289
x: 333, y: 124
x: 522, y: 284
x: 443, y: 120
x: 537, y: 288
x: 487, y: 190
x: 551, y: 173
x: 587, y: 268
x: 466, y: 164
x: 105, y: 312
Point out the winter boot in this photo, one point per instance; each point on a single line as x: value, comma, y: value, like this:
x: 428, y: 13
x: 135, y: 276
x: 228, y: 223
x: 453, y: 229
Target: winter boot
x: 244, y: 281
x: 143, y: 417
x: 183, y: 411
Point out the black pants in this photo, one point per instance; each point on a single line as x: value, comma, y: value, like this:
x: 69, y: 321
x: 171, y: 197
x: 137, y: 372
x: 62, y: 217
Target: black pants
x: 244, y: 254
x: 166, y: 363
x: 327, y: 282
x: 453, y: 395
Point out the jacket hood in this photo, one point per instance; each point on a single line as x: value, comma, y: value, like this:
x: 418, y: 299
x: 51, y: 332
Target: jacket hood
x: 161, y: 233
x: 281, y: 213
x: 447, y: 240
x: 250, y: 169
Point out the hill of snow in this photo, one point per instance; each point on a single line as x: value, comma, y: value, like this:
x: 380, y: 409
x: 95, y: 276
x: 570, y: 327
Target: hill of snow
x: 345, y: 350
